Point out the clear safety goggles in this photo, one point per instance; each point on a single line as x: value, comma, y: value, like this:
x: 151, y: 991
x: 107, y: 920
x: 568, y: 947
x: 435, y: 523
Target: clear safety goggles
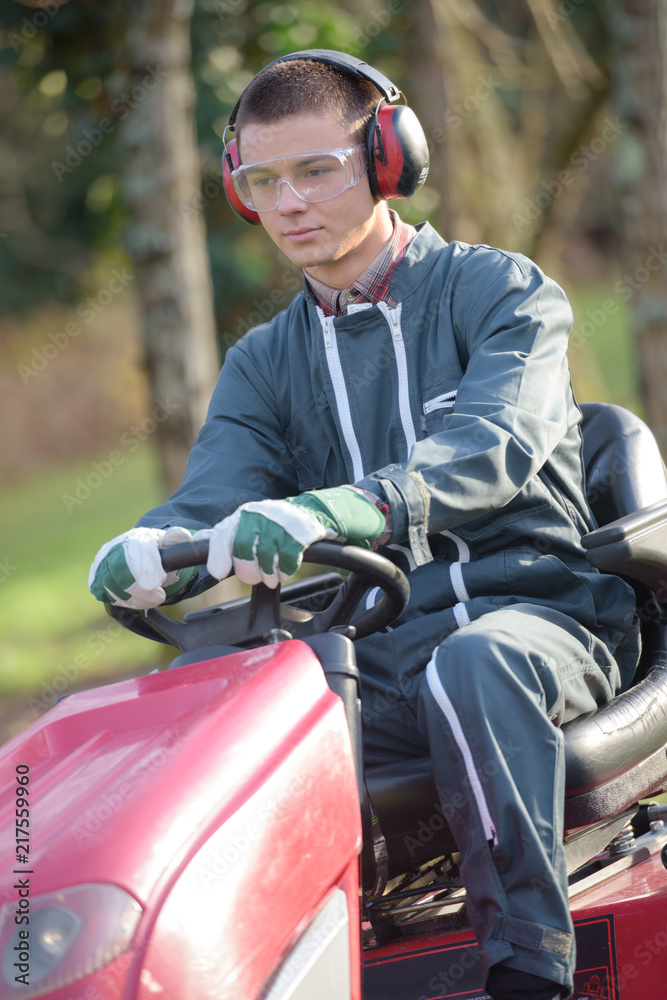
x: 315, y: 176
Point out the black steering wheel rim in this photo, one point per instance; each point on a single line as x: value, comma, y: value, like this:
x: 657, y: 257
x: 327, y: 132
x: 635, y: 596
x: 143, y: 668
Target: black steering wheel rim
x: 263, y: 613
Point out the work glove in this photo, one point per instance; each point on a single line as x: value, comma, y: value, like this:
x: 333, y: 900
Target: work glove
x: 263, y: 541
x: 128, y: 572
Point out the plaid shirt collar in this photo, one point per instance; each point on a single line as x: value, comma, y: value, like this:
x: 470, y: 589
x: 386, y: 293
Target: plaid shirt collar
x: 373, y: 285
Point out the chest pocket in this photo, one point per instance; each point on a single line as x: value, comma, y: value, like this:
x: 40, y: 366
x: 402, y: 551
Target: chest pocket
x: 438, y: 403
x: 316, y: 462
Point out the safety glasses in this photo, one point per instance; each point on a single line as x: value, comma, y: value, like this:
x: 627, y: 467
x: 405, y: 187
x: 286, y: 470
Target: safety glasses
x: 316, y: 176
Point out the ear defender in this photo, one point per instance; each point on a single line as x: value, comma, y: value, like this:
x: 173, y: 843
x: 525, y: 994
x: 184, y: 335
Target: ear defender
x: 398, y: 158
x: 230, y: 161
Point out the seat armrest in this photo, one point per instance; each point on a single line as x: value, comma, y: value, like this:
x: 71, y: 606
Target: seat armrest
x: 634, y: 546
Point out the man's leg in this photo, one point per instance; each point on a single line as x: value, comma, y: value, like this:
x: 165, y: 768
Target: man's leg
x: 491, y: 700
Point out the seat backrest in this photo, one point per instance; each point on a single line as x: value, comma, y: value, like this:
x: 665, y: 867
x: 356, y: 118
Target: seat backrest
x: 624, y: 468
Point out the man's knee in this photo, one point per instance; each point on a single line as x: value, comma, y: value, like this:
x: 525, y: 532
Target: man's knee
x: 486, y: 657
x: 473, y: 653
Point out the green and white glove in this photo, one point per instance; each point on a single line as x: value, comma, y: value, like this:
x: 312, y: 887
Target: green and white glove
x: 128, y: 572
x: 263, y: 541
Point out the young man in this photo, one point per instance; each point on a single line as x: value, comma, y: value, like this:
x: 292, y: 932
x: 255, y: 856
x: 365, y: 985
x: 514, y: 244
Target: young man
x: 416, y: 397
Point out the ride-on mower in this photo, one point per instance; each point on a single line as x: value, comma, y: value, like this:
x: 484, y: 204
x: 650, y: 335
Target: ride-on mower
x: 208, y: 832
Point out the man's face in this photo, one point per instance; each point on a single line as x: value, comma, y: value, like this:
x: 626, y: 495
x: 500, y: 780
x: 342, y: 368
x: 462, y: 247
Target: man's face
x: 335, y: 239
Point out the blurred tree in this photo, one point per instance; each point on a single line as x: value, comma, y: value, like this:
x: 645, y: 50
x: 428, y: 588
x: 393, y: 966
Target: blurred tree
x: 431, y: 81
x: 160, y: 170
x: 508, y: 94
x: 58, y: 191
x: 639, y: 30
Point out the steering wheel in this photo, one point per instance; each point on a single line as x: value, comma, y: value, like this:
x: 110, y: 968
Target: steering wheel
x: 262, y: 618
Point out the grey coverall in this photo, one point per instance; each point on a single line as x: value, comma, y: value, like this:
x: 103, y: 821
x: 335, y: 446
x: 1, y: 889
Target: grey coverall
x: 456, y: 406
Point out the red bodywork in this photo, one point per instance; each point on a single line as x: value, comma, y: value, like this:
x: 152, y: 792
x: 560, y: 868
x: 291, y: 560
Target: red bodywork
x: 621, y: 928
x: 222, y: 797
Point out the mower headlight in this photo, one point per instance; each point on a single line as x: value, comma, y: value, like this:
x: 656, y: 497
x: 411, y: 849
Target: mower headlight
x: 68, y: 934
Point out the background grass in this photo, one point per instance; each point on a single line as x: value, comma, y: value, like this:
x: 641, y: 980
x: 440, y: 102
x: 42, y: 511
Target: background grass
x: 50, y: 626
x: 602, y: 351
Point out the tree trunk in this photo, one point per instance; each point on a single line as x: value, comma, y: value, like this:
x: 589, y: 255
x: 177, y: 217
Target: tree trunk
x: 166, y: 234
x: 428, y: 88
x: 639, y: 29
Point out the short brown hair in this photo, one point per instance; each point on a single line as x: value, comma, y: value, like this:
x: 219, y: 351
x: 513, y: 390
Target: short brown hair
x: 298, y: 85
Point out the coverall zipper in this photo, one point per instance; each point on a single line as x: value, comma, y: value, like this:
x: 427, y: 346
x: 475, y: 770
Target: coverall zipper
x: 342, y: 402
x: 393, y: 318
x: 443, y: 402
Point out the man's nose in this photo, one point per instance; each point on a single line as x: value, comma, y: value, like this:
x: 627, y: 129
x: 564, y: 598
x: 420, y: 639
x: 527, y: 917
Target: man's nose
x: 288, y: 199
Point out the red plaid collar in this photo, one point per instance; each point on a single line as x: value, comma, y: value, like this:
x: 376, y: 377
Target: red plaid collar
x: 373, y: 285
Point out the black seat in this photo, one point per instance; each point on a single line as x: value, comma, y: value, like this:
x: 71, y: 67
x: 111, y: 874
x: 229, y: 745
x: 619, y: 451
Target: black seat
x: 624, y: 468
x: 616, y: 756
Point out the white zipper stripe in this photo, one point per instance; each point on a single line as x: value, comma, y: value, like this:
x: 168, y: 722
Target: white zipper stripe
x: 444, y: 703
x: 456, y: 570
x: 393, y: 318
x: 342, y: 402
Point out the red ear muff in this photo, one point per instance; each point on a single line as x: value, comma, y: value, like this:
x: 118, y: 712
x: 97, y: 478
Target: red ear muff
x: 230, y: 161
x: 398, y: 157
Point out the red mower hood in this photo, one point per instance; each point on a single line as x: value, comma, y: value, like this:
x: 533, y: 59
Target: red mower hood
x: 127, y: 777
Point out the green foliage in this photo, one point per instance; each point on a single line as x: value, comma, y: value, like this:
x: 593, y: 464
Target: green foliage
x: 60, y: 183
x: 62, y: 71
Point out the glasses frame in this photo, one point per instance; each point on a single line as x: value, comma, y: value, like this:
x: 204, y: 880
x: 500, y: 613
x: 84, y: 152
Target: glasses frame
x: 350, y: 153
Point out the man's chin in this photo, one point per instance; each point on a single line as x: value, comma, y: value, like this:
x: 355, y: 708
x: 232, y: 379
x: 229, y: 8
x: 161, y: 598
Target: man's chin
x: 308, y: 257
